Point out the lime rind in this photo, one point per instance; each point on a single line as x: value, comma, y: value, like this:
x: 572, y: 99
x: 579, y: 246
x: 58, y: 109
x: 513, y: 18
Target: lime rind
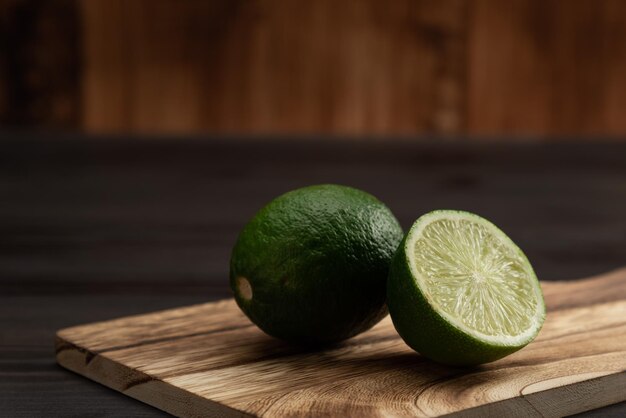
x: 475, y: 277
x: 311, y: 266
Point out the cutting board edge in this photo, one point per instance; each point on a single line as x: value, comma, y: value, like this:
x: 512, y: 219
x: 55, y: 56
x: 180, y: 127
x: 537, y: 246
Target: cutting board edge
x: 141, y: 386
x: 98, y: 365
x: 146, y: 389
x: 541, y: 404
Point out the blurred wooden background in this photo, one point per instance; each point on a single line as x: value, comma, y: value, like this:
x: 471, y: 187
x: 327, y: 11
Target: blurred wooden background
x: 351, y: 67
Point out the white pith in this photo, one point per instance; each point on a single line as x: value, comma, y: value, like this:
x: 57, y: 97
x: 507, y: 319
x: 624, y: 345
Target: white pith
x: 457, y: 273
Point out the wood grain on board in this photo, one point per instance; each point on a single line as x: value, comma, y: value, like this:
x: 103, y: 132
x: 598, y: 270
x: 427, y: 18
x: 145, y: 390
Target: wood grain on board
x: 210, y: 360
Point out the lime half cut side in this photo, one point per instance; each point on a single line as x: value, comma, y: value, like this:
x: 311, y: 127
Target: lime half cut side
x: 461, y: 292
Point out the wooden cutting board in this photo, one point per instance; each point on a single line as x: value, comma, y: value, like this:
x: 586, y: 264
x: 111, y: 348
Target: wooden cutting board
x: 209, y: 360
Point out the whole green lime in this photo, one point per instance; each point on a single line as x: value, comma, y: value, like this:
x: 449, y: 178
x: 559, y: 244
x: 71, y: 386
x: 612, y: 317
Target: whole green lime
x: 311, y: 266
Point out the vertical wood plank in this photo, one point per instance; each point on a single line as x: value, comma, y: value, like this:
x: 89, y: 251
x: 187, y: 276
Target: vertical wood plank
x: 107, y: 77
x: 614, y: 40
x: 356, y: 67
x: 504, y: 70
x: 39, y: 64
x: 350, y: 67
x: 547, y: 68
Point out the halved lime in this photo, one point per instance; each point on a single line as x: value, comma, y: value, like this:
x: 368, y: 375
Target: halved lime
x: 461, y: 292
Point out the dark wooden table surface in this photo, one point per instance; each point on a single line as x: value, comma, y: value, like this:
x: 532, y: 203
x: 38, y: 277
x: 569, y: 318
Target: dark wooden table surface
x: 92, y: 229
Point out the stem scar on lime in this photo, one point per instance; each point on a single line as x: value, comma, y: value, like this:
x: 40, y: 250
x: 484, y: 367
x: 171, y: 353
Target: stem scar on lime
x: 244, y: 289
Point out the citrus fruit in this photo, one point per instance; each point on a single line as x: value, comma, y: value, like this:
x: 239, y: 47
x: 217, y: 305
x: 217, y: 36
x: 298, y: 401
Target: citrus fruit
x: 460, y: 292
x: 311, y: 266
